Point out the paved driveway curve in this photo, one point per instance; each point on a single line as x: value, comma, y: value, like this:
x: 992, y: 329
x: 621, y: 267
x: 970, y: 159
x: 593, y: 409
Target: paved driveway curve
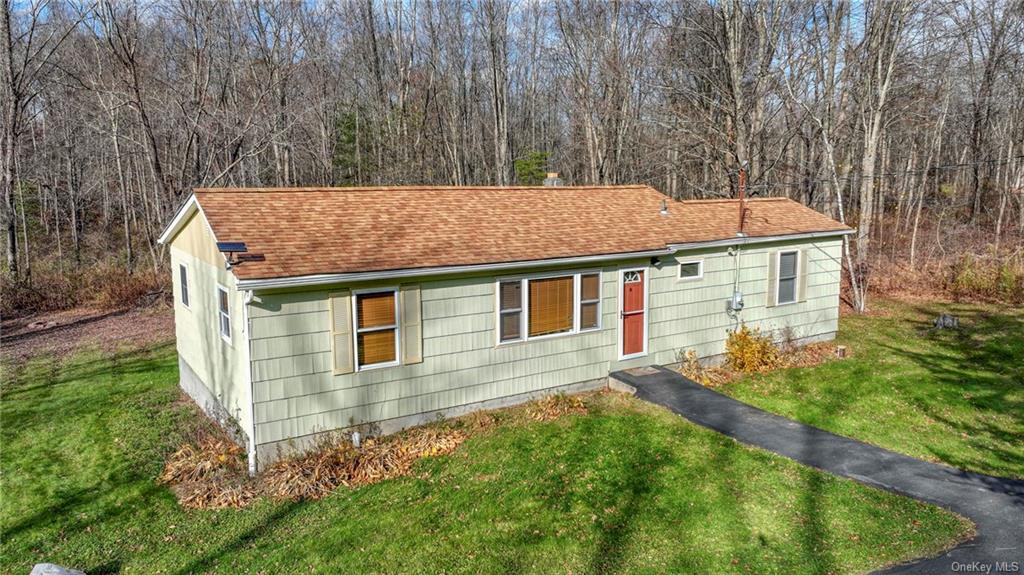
x: 995, y: 505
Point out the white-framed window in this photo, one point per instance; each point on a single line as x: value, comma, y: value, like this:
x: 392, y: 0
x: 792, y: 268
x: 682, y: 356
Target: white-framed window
x: 224, y: 313
x: 788, y: 263
x: 691, y: 269
x: 376, y: 325
x: 510, y: 310
x: 548, y: 305
x: 183, y: 283
x: 590, y: 301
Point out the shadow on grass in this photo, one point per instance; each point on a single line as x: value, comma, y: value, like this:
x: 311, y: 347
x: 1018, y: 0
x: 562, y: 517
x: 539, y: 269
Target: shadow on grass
x: 101, y: 365
x: 205, y: 562
x: 976, y: 375
x: 638, y: 479
x: 38, y: 421
x: 631, y: 487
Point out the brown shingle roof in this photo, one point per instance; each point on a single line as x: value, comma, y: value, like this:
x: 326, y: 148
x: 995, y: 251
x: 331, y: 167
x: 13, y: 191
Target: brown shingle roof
x: 304, y: 231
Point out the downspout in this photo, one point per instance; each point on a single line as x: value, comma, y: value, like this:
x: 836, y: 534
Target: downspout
x: 251, y: 432
x: 735, y: 304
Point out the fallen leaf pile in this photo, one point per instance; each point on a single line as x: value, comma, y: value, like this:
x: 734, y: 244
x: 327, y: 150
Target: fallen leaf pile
x: 208, y: 457
x: 315, y: 474
x: 716, y: 376
x: 211, y: 473
x: 555, y: 406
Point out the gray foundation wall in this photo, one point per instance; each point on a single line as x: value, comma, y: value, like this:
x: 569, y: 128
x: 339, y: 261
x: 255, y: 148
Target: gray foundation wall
x: 200, y: 393
x: 268, y: 453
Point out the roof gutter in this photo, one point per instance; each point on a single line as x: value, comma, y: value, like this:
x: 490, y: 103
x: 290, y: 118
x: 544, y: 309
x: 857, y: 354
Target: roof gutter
x: 324, y: 279
x: 744, y: 240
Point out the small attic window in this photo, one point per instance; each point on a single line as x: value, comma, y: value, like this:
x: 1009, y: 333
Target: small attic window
x: 691, y: 270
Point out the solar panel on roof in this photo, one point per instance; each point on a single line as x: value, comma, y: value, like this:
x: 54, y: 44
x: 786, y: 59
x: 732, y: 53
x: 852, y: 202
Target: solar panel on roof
x: 231, y: 247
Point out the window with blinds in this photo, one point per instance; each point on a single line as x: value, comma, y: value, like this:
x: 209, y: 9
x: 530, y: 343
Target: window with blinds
x: 376, y: 318
x: 546, y: 306
x: 787, y: 277
x: 551, y: 305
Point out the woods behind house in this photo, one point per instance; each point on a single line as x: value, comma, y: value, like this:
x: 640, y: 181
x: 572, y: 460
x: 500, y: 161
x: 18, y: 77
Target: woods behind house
x: 901, y: 118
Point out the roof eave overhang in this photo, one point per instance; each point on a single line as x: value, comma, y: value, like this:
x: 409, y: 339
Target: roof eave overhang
x: 746, y: 240
x: 325, y: 279
x: 328, y: 279
x: 179, y: 220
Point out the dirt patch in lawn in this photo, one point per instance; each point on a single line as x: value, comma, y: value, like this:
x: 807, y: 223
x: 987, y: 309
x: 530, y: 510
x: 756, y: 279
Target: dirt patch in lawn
x: 61, y: 333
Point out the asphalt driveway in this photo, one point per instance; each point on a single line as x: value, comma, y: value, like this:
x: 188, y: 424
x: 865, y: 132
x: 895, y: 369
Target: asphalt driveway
x: 994, y: 504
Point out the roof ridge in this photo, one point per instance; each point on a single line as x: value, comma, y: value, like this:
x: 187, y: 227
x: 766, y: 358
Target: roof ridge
x: 732, y: 200
x: 409, y: 188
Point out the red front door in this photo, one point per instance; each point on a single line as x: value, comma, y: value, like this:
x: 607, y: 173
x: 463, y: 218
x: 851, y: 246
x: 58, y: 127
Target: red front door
x: 633, y: 321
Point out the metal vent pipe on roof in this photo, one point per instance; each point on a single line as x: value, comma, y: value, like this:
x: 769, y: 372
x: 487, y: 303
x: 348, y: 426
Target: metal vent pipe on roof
x: 552, y: 180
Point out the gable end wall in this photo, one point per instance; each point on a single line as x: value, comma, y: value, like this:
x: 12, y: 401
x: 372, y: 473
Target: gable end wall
x: 212, y: 371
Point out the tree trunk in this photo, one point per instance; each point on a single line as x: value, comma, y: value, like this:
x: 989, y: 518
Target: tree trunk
x: 9, y: 140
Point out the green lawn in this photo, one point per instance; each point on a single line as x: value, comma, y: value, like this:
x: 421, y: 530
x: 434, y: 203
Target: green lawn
x: 955, y: 397
x: 627, y: 488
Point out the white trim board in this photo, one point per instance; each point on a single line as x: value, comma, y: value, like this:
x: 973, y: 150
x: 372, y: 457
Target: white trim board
x: 190, y: 207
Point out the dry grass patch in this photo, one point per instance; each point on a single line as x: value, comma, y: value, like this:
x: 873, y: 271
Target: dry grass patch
x: 554, y: 406
x: 316, y: 474
x: 747, y: 351
x: 208, y: 457
x: 706, y: 375
x: 210, y: 472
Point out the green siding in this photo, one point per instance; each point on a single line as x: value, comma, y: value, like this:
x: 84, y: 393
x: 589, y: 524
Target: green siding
x: 296, y: 395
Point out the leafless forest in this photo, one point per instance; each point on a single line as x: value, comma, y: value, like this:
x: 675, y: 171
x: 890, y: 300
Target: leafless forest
x: 902, y: 118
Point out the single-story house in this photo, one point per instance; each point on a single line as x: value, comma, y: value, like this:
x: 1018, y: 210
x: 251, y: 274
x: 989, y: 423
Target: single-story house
x: 381, y: 308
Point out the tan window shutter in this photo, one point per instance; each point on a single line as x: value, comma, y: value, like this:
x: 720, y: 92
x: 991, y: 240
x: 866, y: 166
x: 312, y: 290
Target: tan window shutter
x: 341, y: 332
x: 801, y: 282
x: 412, y: 325
x: 773, y: 279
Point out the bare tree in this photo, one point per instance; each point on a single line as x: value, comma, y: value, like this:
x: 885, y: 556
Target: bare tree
x: 896, y: 116
x: 884, y: 35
